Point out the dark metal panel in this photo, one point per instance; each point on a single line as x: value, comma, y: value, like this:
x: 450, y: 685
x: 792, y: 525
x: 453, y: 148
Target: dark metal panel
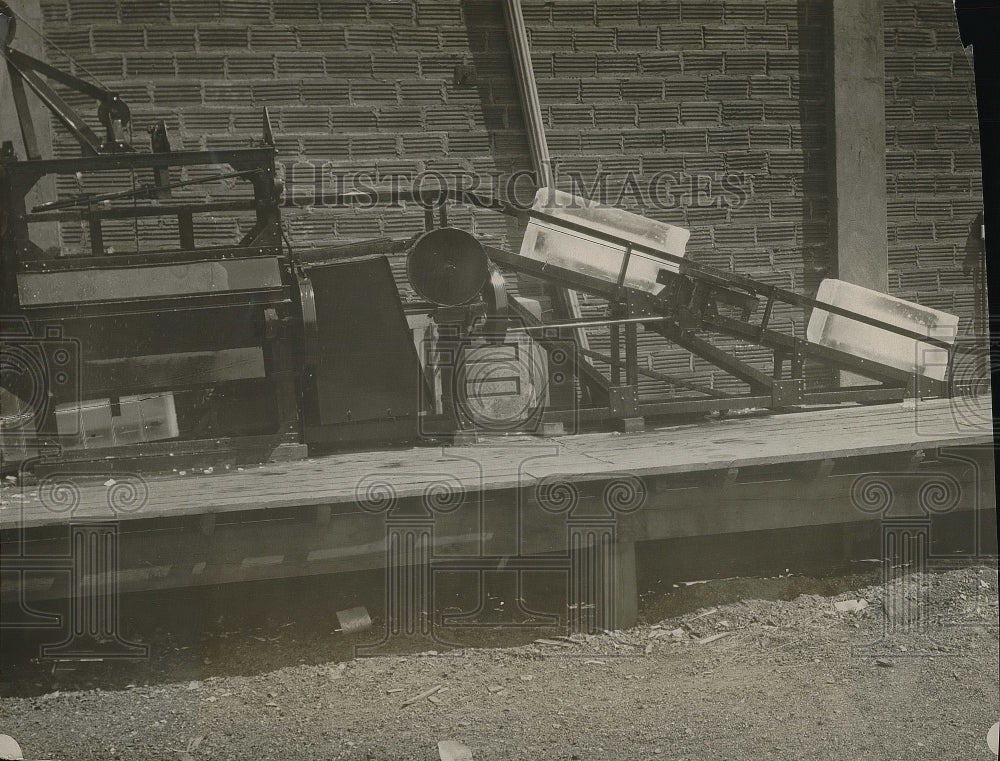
x: 133, y: 283
x: 132, y: 332
x: 366, y: 365
x: 167, y: 371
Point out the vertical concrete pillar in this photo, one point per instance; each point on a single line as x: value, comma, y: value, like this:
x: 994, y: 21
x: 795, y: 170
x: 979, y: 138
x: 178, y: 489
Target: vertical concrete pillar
x: 859, y: 197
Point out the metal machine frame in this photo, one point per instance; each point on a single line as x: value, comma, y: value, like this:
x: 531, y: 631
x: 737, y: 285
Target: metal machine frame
x: 241, y: 320
x: 281, y: 337
x: 205, y: 362
x: 251, y: 283
x: 693, y: 301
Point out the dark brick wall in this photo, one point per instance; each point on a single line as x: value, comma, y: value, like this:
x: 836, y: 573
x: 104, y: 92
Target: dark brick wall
x: 638, y: 87
x: 351, y: 84
x: 932, y: 155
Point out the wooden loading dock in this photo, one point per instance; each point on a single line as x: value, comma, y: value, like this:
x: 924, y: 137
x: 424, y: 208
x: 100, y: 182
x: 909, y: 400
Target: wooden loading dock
x: 573, y: 506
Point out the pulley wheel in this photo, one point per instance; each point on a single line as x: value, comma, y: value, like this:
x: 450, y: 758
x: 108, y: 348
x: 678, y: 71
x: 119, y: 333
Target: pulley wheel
x: 447, y: 266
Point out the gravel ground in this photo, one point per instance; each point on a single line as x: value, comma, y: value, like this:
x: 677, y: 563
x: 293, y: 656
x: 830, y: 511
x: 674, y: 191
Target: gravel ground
x: 782, y: 679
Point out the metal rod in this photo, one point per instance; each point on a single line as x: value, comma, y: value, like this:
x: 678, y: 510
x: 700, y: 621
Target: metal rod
x: 28, y: 135
x: 595, y: 384
x: 624, y: 267
x: 665, y: 377
x: 61, y: 110
x: 766, y: 317
x: 586, y: 324
x: 137, y: 192
x: 127, y: 212
x: 96, y: 235
x: 616, y: 355
x: 30, y: 63
x: 107, y: 162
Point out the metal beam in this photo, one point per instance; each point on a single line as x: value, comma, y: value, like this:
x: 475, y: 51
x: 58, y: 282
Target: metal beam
x: 520, y: 50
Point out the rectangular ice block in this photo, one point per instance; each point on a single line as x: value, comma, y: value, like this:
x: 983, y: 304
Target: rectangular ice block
x: 877, y: 344
x: 549, y: 243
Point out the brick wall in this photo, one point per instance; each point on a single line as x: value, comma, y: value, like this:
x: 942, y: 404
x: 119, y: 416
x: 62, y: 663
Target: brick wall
x: 699, y: 87
x: 351, y: 85
x: 641, y: 87
x: 932, y: 155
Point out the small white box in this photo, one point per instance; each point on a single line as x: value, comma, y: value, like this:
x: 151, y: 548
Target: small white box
x: 149, y: 417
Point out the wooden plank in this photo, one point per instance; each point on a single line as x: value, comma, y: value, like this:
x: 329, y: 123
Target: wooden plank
x: 340, y: 479
x: 651, y: 461
x: 931, y: 422
x: 626, y: 588
x: 218, y: 491
x: 757, y: 507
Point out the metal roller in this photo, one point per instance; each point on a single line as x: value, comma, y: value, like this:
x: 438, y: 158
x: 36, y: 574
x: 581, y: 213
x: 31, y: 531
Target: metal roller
x: 447, y: 266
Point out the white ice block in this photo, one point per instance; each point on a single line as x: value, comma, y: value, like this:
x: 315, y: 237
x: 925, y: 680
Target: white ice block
x: 876, y: 344
x: 151, y: 417
x: 560, y: 247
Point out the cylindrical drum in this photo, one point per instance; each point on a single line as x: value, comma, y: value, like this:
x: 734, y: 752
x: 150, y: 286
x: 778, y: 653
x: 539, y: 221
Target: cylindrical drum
x: 447, y: 266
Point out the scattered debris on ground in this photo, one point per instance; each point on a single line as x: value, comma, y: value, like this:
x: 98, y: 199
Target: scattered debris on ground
x: 802, y: 678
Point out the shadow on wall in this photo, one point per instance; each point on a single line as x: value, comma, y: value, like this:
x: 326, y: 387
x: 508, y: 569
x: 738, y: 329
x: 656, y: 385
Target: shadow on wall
x: 494, y: 79
x: 815, y: 88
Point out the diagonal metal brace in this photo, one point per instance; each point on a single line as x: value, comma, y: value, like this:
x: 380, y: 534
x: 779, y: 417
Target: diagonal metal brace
x: 759, y: 382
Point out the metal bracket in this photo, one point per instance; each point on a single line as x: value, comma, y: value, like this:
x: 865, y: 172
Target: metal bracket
x: 624, y: 401
x: 923, y: 387
x: 798, y: 358
x: 159, y: 142
x: 786, y: 392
